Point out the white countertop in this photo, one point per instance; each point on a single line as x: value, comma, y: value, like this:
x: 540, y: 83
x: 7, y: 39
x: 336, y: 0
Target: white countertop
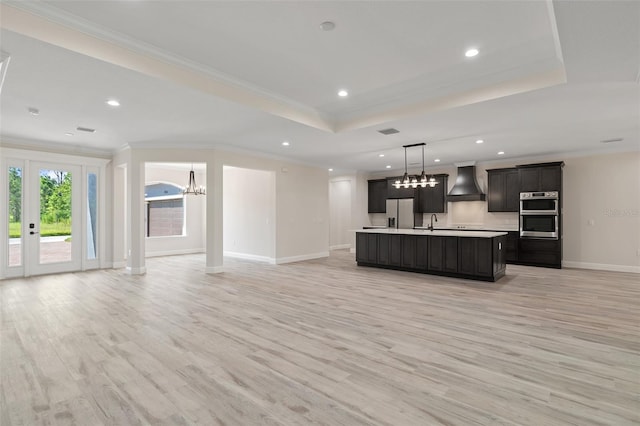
x: 501, y: 228
x: 442, y: 233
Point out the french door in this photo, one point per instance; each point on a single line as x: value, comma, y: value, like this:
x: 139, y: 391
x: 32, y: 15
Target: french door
x: 51, y: 217
x: 53, y: 235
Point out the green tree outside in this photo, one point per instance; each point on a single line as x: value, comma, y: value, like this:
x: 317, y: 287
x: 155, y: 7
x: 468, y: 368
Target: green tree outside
x: 58, y: 203
x: 55, y: 202
x: 15, y: 194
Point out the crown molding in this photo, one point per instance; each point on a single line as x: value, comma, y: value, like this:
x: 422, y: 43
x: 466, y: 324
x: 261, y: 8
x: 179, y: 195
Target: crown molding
x: 74, y: 22
x: 53, y: 147
x: 46, y: 23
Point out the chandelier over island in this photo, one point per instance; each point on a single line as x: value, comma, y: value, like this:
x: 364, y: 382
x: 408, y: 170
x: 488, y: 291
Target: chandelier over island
x: 415, y: 181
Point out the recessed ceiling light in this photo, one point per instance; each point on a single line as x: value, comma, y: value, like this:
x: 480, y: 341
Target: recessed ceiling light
x: 501, y: 153
x: 113, y: 103
x: 479, y: 141
x: 380, y: 155
x: 285, y: 143
x: 68, y: 134
x: 470, y: 53
x: 33, y: 111
x: 388, y: 167
x: 327, y: 26
x: 343, y: 93
x: 437, y: 160
x: 330, y: 170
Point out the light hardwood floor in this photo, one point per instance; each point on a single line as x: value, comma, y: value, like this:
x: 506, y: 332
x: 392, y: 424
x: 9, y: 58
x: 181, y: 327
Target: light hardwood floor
x: 319, y: 342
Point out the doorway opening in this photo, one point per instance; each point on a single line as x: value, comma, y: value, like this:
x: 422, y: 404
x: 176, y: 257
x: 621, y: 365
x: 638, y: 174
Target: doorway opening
x: 175, y: 223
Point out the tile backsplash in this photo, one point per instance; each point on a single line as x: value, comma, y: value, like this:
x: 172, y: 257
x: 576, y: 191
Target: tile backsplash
x: 461, y: 213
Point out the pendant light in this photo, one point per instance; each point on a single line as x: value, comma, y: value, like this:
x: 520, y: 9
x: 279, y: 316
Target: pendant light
x: 405, y: 182
x: 423, y: 177
x: 431, y: 182
x: 415, y: 181
x: 192, y: 188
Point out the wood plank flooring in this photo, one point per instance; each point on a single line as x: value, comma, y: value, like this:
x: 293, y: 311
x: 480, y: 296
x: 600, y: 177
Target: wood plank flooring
x: 319, y: 342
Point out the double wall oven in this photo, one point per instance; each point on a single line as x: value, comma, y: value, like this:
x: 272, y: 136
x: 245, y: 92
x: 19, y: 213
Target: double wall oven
x: 539, y: 215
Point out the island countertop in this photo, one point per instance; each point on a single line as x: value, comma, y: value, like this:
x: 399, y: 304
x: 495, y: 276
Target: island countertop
x: 437, y: 233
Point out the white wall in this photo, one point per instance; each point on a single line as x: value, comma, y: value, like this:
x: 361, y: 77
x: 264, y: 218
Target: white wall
x: 249, y: 206
x: 302, y: 213
x: 194, y: 239
x: 340, y: 218
x: 601, y: 212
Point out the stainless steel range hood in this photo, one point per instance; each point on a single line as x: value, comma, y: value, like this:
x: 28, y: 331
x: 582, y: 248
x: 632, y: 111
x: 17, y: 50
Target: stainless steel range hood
x: 466, y: 187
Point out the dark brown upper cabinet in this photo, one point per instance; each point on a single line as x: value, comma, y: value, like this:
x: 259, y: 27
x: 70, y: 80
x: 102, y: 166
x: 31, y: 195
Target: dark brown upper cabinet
x: 377, y: 201
x: 402, y: 192
x: 433, y: 200
x: 504, y: 190
x: 541, y: 177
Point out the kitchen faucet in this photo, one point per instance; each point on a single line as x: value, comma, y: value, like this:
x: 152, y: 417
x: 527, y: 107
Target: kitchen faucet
x: 430, y: 227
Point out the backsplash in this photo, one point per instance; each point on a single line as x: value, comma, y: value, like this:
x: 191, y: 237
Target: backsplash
x: 461, y: 213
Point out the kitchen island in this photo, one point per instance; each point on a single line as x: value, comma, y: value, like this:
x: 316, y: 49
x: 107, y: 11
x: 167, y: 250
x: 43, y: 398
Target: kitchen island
x: 477, y: 255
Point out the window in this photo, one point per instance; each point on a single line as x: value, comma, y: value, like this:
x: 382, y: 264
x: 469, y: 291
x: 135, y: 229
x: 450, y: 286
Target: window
x: 165, y: 210
x: 15, y: 216
x: 92, y: 215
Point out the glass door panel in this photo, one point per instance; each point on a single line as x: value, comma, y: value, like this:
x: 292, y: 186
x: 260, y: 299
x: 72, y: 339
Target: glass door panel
x: 15, y: 216
x: 55, y: 215
x: 92, y: 216
x: 55, y: 219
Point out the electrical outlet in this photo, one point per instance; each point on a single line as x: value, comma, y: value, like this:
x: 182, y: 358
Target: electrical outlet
x: 591, y: 222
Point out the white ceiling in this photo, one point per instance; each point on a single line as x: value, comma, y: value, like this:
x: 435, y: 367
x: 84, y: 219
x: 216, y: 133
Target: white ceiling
x: 551, y: 78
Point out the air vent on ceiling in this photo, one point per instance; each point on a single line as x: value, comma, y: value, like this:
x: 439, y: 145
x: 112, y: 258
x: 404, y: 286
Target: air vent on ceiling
x: 389, y: 131
x: 612, y: 140
x: 85, y: 129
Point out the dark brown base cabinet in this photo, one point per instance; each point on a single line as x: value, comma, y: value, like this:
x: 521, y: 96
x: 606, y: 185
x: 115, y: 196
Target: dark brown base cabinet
x: 545, y: 253
x: 443, y: 254
x: 511, y: 246
x: 464, y: 257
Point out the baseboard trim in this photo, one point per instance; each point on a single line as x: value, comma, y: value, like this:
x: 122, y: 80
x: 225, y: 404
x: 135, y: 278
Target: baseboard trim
x: 247, y: 256
x: 118, y: 265
x: 340, y: 247
x: 213, y: 269
x: 136, y: 271
x: 291, y: 259
x: 601, y: 266
x: 174, y: 252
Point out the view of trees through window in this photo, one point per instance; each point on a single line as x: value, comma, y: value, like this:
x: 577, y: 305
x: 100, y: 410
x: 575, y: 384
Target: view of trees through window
x: 15, y: 202
x: 55, y: 202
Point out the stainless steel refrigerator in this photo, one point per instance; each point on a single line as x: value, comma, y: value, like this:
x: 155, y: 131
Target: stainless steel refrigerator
x: 400, y: 213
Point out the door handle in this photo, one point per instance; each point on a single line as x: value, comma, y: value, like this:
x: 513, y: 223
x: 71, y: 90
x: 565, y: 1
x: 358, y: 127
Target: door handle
x: 33, y: 232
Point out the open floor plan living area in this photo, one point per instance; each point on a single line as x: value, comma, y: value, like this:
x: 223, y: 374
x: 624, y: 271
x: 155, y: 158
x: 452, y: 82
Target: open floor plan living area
x: 319, y: 213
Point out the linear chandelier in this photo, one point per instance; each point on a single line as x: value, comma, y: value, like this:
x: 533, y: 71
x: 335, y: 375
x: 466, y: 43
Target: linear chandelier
x: 192, y: 188
x: 415, y: 181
